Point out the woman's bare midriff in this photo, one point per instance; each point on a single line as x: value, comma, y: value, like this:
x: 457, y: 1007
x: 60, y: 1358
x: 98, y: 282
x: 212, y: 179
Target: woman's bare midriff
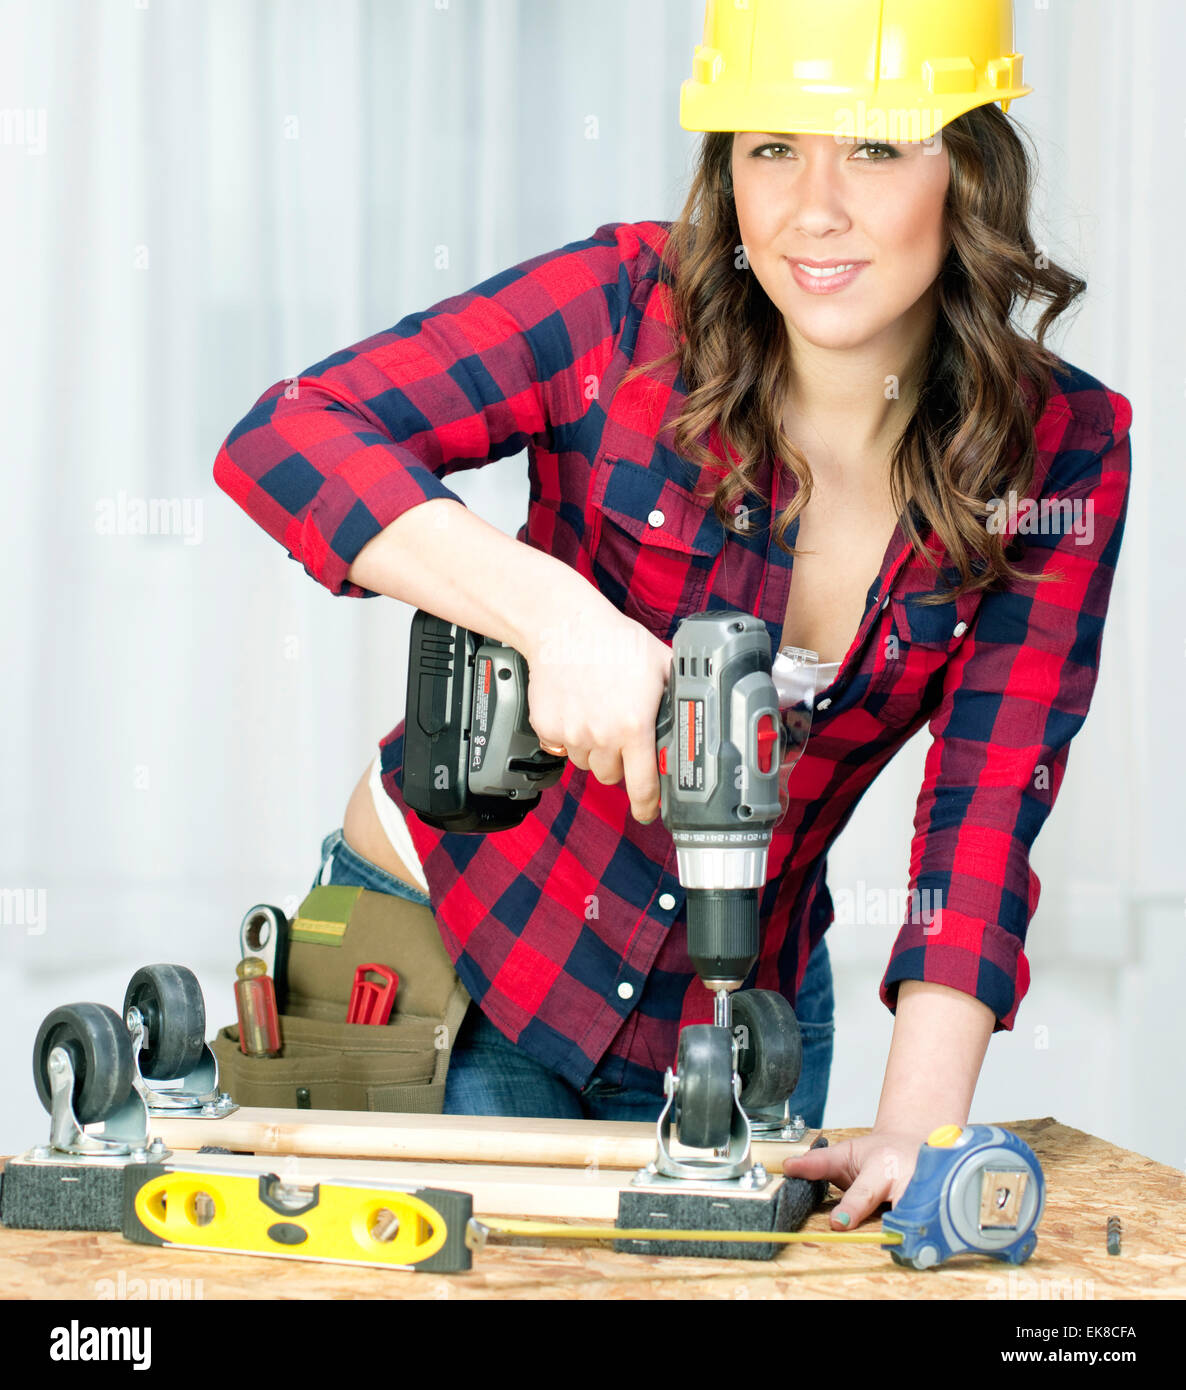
x: 364, y: 833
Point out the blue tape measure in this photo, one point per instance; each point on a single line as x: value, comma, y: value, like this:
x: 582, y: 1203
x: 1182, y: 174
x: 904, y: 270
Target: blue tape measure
x: 978, y: 1189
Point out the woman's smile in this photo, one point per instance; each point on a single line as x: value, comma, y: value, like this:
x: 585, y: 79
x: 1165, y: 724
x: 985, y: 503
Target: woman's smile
x: 825, y: 277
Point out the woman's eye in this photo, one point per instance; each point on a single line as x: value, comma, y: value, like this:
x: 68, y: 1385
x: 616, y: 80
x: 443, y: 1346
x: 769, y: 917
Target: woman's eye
x: 879, y: 153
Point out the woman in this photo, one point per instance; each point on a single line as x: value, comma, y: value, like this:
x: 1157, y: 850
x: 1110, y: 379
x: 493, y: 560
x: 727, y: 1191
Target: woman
x: 804, y: 399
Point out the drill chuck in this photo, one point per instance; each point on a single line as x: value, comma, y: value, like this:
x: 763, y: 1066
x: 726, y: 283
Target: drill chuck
x: 723, y: 934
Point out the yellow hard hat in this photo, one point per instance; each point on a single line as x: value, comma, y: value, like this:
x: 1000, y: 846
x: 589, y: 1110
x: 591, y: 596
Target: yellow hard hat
x: 895, y: 70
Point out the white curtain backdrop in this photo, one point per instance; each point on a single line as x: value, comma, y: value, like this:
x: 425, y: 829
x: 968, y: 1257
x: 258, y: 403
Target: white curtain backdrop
x: 201, y: 197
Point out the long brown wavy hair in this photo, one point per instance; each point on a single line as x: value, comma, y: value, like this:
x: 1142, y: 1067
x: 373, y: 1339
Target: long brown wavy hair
x: 983, y: 386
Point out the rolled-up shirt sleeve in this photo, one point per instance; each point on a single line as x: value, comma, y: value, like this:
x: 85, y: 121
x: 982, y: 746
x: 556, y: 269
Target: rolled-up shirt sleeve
x: 327, y: 459
x: 1015, y: 693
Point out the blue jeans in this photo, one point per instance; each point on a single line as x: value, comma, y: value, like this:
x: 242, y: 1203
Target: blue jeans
x: 490, y: 1075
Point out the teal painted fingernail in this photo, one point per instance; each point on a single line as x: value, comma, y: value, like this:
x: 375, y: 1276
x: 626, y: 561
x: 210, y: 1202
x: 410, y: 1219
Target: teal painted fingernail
x: 843, y: 1218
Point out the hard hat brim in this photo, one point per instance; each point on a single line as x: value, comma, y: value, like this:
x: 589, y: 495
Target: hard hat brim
x: 857, y: 113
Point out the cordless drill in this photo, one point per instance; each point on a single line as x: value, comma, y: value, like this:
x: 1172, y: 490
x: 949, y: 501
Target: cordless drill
x: 472, y: 763
x: 719, y: 740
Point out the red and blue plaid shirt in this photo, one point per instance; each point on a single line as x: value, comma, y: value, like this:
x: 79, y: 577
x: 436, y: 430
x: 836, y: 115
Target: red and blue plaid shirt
x: 568, y: 930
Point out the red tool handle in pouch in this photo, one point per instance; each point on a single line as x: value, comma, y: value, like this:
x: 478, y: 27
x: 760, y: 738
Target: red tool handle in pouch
x: 371, y: 1001
x: 255, y: 1002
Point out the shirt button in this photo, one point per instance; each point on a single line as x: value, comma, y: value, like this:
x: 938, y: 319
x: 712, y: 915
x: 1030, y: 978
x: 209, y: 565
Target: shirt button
x: 656, y: 518
x: 666, y: 901
x: 960, y: 629
x: 625, y: 990
x: 823, y: 704
x: 885, y: 601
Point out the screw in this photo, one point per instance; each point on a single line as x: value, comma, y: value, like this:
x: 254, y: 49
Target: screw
x: 1113, y: 1235
x: 756, y: 1177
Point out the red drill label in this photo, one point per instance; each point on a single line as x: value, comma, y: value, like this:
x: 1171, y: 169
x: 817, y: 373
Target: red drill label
x: 690, y: 723
x: 483, y: 711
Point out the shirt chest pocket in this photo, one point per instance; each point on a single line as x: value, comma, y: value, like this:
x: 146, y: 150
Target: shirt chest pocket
x: 913, y: 646
x: 655, y: 544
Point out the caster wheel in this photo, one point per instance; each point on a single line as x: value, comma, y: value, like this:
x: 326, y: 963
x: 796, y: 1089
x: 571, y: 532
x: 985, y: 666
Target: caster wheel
x: 100, y: 1052
x: 704, y: 1101
x: 170, y: 999
x: 771, y: 1055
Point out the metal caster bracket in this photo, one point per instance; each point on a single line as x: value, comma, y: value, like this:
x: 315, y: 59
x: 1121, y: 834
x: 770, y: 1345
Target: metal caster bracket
x: 125, y: 1131
x: 733, y: 1164
x: 196, y: 1095
x: 775, y: 1124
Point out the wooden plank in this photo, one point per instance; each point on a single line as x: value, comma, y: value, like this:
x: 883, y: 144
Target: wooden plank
x: 497, y: 1189
x: 451, y: 1138
x: 1088, y: 1180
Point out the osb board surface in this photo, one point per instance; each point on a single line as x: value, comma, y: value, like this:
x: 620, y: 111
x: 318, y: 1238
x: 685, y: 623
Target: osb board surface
x: 1088, y: 1180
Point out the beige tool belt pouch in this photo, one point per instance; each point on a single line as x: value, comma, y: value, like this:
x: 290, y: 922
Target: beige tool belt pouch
x: 326, y: 1063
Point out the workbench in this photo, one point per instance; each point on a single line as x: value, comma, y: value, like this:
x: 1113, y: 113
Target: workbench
x: 1088, y: 1180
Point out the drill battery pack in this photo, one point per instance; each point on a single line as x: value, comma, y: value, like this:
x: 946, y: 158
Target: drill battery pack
x: 472, y: 762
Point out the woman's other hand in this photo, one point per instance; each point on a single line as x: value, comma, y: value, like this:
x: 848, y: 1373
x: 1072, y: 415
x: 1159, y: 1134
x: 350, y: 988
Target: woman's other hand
x: 870, y: 1170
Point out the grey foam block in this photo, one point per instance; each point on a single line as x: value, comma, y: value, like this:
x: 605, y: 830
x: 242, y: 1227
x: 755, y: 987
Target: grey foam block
x: 61, y: 1196
x: 667, y: 1208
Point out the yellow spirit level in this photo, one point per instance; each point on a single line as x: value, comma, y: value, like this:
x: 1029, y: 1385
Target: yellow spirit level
x: 252, y: 1213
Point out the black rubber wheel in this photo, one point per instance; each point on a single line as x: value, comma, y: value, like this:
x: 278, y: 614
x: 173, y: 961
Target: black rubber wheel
x: 100, y: 1051
x: 170, y: 1000
x: 770, y: 1055
x: 704, y: 1101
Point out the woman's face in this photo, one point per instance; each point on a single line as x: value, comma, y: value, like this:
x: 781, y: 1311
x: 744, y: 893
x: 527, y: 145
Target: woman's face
x: 819, y: 199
